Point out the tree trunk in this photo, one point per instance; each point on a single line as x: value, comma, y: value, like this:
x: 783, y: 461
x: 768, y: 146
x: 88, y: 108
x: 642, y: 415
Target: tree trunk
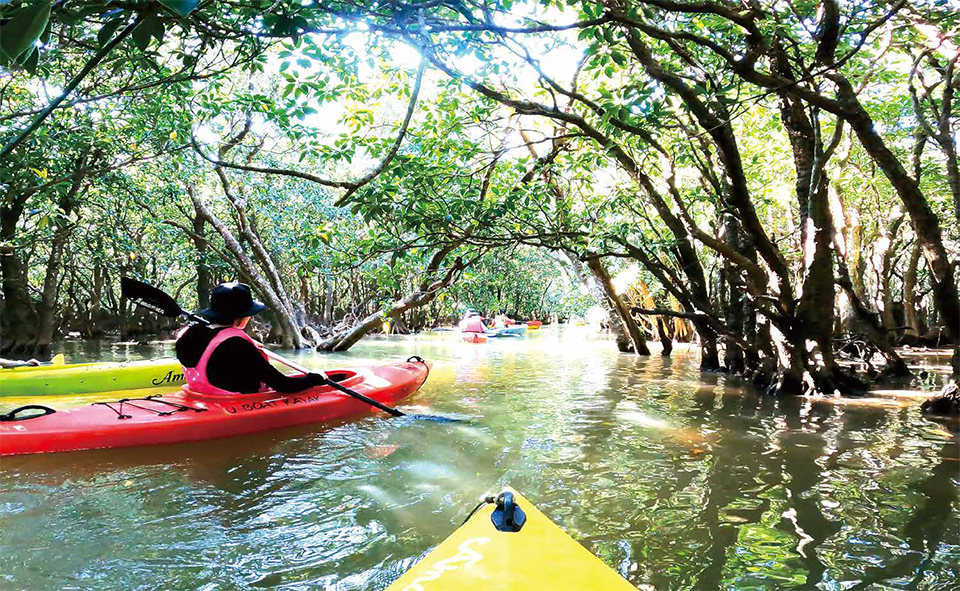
x: 810, y: 330
x: 847, y: 244
x: 629, y: 324
x: 48, y: 296
x: 665, y: 341
x: 19, y: 316
x: 94, y: 329
x: 953, y: 172
x: 328, y: 301
x: 733, y: 355
x: 260, y: 252
x: 204, y: 278
x: 291, y: 337
x: 305, y: 291
x: 910, y: 293
x: 576, y: 266
x: 926, y: 224
x: 423, y: 295
x: 886, y: 251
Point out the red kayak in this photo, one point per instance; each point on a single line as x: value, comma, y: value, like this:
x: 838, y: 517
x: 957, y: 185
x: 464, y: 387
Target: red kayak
x: 473, y: 337
x: 189, y: 416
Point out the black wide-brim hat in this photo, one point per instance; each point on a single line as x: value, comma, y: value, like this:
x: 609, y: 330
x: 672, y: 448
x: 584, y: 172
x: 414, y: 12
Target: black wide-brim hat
x: 230, y: 301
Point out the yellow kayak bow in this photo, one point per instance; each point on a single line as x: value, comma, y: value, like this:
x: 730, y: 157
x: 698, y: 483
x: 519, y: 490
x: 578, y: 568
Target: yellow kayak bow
x: 508, y: 545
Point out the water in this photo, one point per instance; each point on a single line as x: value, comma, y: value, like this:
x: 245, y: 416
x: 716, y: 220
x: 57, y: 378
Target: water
x: 677, y: 480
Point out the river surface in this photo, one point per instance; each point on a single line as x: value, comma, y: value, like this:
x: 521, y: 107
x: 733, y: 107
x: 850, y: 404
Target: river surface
x: 676, y: 479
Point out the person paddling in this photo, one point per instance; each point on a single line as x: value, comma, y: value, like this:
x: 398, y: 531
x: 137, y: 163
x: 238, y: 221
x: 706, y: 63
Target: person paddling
x: 472, y: 322
x: 221, y: 358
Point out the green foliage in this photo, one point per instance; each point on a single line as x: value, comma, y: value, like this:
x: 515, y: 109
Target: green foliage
x: 181, y: 7
x: 331, y: 104
x: 19, y: 35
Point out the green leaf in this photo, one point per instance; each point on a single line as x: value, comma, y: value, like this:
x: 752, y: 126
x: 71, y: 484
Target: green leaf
x: 618, y: 58
x: 106, y: 31
x: 142, y: 34
x: 181, y: 7
x: 45, y: 36
x: 30, y: 64
x: 158, y: 29
x: 22, y: 31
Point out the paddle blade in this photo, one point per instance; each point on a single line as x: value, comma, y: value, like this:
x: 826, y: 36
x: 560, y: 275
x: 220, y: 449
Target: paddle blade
x: 435, y: 418
x: 149, y: 297
x: 58, y: 359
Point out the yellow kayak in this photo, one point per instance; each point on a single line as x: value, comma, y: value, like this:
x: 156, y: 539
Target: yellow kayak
x: 501, y: 549
x: 88, y: 378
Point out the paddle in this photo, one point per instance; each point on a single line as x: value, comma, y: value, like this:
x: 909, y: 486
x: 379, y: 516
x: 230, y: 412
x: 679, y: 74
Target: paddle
x: 149, y: 297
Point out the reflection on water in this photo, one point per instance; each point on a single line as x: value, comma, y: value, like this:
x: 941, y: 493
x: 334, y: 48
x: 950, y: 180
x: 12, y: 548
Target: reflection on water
x: 678, y: 480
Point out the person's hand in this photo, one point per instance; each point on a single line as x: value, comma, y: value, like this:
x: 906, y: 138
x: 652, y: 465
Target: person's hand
x: 33, y: 362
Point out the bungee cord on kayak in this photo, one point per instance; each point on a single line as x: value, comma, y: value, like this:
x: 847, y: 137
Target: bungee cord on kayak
x: 156, y: 398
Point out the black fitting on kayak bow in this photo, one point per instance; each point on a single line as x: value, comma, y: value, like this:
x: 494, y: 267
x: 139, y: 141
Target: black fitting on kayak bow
x: 508, y: 516
x: 12, y: 415
x: 416, y: 358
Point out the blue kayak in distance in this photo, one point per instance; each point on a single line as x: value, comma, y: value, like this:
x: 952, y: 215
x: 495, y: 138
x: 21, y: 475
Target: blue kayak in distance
x: 517, y: 330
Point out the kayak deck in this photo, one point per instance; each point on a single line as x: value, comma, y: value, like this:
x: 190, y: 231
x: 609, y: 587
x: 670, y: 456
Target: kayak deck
x: 538, y: 557
x: 188, y: 416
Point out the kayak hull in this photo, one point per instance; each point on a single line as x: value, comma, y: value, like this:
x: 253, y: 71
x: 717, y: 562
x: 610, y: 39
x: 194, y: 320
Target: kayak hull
x: 89, y: 378
x: 541, y: 556
x: 157, y: 420
x: 473, y: 337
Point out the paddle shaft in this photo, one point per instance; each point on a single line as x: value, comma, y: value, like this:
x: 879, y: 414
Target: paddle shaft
x: 329, y: 382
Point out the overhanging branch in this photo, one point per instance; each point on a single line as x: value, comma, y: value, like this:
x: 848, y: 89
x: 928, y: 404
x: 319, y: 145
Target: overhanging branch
x: 350, y: 186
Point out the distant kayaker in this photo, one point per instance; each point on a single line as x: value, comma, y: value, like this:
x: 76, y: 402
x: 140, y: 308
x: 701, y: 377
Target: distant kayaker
x: 222, y: 359
x: 5, y: 363
x: 472, y: 322
x: 501, y: 320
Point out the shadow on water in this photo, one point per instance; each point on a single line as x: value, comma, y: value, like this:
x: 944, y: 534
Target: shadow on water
x: 677, y: 479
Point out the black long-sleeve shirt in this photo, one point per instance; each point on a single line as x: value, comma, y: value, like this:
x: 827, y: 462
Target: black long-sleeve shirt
x: 236, y: 365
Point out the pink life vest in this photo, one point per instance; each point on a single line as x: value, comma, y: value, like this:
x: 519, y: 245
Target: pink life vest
x: 472, y: 324
x: 196, y: 377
